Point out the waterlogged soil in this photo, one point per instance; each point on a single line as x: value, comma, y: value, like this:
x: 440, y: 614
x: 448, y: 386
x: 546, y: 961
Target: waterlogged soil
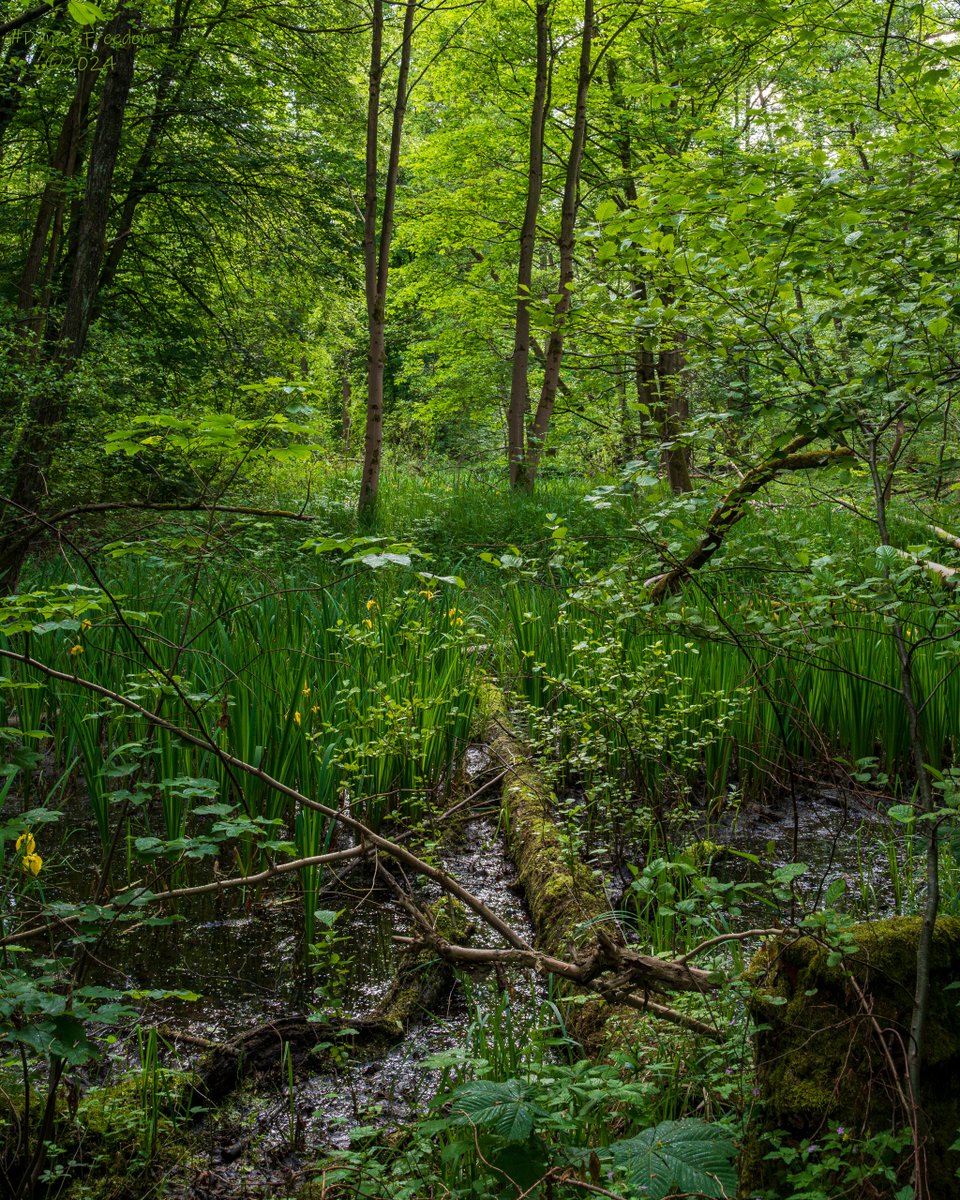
x: 242, y: 958
x: 841, y: 836
x: 247, y: 1144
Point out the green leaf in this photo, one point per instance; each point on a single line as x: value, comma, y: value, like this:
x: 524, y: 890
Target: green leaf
x: 835, y: 891
x: 85, y: 13
x: 689, y: 1156
x: 383, y: 560
x: 605, y: 210
x: 900, y: 812
x: 938, y: 326
x: 789, y: 872
x: 505, y: 1109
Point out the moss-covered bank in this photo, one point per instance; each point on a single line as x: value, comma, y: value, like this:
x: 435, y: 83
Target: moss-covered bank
x: 820, y: 1059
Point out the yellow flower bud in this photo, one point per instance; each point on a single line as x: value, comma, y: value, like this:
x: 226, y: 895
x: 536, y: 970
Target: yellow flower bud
x: 32, y: 863
x: 371, y: 605
x: 75, y: 650
x: 26, y: 843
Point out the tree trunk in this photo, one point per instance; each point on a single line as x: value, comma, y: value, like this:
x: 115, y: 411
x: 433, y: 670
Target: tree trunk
x: 163, y: 109
x: 345, y: 404
x: 48, y: 228
x: 659, y: 375
x: 924, y: 801
x: 733, y: 507
x: 568, y: 222
x: 48, y: 413
x: 519, y: 404
x: 628, y: 430
x: 671, y: 414
x: 92, y: 229
x: 376, y: 252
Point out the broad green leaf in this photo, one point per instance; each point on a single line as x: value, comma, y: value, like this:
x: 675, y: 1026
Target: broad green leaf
x: 688, y: 1156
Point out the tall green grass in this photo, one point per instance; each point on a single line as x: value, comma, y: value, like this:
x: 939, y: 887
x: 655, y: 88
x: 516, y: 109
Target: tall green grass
x: 357, y: 700
x: 767, y: 695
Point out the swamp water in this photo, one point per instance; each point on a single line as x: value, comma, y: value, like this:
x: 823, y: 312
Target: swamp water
x: 258, y: 1142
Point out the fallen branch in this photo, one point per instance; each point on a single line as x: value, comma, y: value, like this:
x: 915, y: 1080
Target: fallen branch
x: 611, y: 971
x: 581, y: 942
x: 606, y: 966
x: 422, y: 981
x: 945, y: 536
x: 365, y: 835
x: 948, y: 576
x: 733, y: 508
x: 204, y: 506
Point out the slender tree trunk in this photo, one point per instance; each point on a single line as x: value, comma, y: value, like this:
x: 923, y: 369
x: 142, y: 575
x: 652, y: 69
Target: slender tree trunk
x: 163, y: 108
x: 671, y: 414
x: 924, y: 806
x: 376, y: 251
x: 48, y: 413
x: 92, y: 228
x: 519, y: 404
x: 659, y: 375
x: 48, y: 228
x: 345, y: 404
x: 628, y: 429
x: 568, y: 223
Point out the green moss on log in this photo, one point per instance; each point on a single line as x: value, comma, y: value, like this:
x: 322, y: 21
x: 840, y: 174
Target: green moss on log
x: 819, y: 1059
x: 564, y: 896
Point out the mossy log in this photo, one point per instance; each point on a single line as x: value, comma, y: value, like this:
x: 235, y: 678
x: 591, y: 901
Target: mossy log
x: 568, y: 906
x: 422, y: 981
x: 831, y: 1047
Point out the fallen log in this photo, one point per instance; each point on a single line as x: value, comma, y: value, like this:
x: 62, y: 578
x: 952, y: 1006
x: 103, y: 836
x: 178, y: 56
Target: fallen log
x: 577, y: 938
x: 734, y: 506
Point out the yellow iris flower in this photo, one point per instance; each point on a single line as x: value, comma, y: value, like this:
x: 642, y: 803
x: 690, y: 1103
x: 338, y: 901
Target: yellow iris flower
x: 32, y: 863
x: 27, y: 847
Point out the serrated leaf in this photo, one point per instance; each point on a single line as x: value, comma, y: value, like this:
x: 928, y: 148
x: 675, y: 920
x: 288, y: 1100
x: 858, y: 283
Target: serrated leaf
x: 938, y: 326
x: 504, y: 1109
x: 605, y: 210
x: 688, y: 1156
x: 84, y: 13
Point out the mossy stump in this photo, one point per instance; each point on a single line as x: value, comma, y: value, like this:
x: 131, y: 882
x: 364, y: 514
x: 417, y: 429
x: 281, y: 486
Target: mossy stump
x: 820, y: 1060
